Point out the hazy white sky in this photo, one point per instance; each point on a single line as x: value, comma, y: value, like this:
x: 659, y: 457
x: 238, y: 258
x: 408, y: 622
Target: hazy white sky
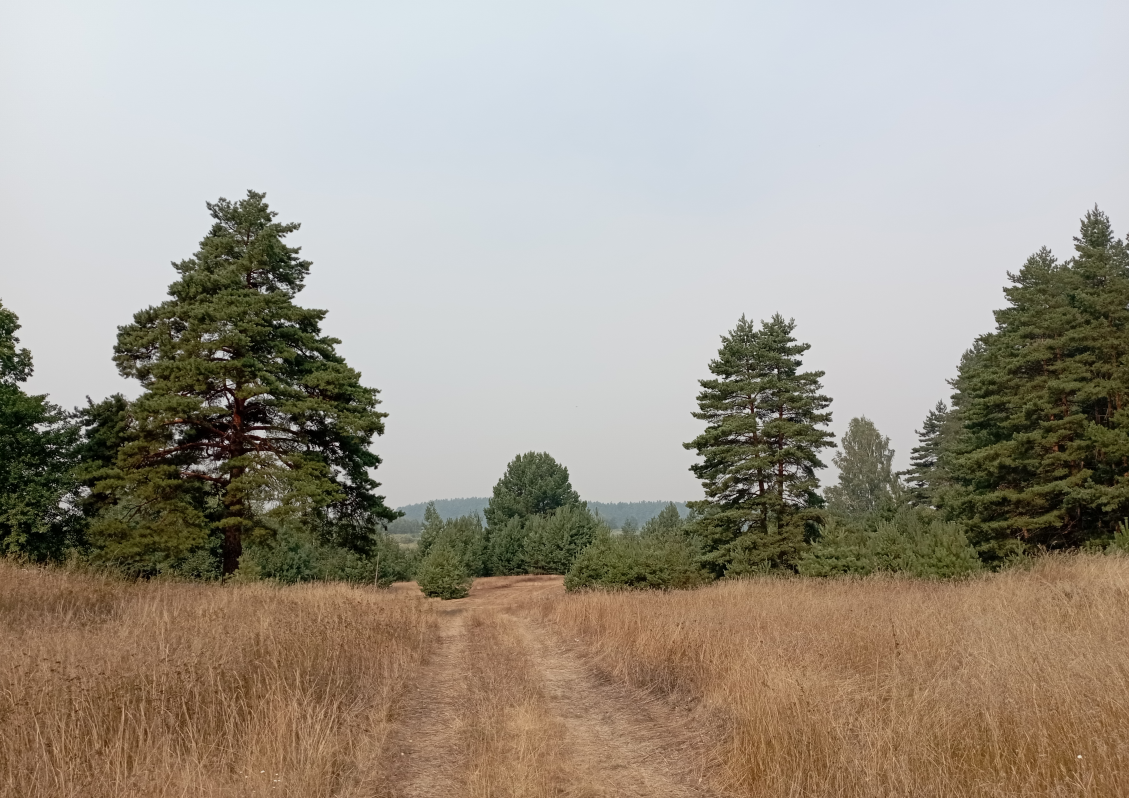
x: 530, y: 222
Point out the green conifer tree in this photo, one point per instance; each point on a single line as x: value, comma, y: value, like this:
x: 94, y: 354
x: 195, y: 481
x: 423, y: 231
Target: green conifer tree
x: 37, y: 444
x: 463, y: 535
x: 926, y: 477
x: 506, y: 548
x: 760, y: 449
x: 552, y: 542
x: 442, y: 574
x: 534, y: 484
x: 840, y: 550
x: 866, y: 479
x: 1043, y: 453
x: 248, y: 410
x: 667, y: 523
x: 106, y: 427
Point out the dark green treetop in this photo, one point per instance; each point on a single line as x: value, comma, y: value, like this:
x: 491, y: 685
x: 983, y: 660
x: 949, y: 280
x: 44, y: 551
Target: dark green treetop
x: 760, y: 449
x: 1042, y: 457
x: 37, y: 443
x: 865, y: 476
x: 248, y: 410
x: 926, y: 478
x: 552, y: 542
x: 15, y: 362
x: 667, y: 522
x: 534, y: 484
x: 106, y: 426
x: 463, y: 535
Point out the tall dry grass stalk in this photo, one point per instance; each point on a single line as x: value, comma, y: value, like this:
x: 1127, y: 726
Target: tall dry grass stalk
x: 1015, y: 684
x: 112, y: 689
x: 515, y: 747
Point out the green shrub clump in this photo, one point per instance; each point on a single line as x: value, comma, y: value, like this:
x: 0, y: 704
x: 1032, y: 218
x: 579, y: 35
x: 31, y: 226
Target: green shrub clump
x: 296, y: 554
x: 661, y: 556
x: 442, y: 574
x: 463, y: 535
x: 908, y: 544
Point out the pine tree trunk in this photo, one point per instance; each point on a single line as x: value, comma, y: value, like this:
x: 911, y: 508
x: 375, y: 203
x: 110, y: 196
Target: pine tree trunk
x: 233, y: 532
x: 232, y: 549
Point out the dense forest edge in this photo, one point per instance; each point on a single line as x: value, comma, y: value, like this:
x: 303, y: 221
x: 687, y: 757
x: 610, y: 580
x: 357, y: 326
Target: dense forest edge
x: 249, y: 453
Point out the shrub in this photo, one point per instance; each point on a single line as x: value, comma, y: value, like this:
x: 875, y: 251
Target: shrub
x: 505, y: 551
x: 464, y: 536
x: 297, y: 555
x: 909, y: 543
x: 1120, y: 541
x: 658, y: 561
x: 442, y: 574
x: 553, y: 542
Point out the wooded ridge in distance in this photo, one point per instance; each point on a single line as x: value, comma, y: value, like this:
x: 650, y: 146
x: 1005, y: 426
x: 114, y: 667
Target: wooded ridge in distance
x: 614, y: 513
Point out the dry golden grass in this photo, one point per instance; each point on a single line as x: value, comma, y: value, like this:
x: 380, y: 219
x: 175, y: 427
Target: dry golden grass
x: 1015, y: 684
x: 515, y: 747
x: 112, y: 689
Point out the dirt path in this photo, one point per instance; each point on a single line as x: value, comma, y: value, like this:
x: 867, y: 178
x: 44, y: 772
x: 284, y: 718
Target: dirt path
x: 507, y: 708
x: 424, y: 746
x: 623, y: 743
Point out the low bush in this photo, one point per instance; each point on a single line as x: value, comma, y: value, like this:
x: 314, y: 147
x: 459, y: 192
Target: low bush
x: 442, y: 574
x: 463, y: 535
x: 907, y: 543
x: 660, y: 556
x: 637, y: 563
x: 297, y: 555
x: 553, y: 542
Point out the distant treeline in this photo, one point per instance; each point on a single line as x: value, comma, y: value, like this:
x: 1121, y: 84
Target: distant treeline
x: 616, y: 514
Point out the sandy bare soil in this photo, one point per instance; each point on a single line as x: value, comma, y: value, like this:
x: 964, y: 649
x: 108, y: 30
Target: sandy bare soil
x: 505, y: 707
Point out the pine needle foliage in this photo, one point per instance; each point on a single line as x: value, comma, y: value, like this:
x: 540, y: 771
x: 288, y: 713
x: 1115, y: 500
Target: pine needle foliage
x: 659, y: 557
x: 908, y: 544
x: 765, y: 420
x: 553, y: 542
x: 927, y: 478
x: 534, y: 484
x: 37, y: 441
x: 463, y: 535
x: 442, y: 574
x: 247, y: 412
x: 506, y: 548
x: 1043, y: 401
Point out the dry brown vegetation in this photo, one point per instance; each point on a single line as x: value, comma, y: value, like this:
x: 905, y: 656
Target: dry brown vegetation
x: 766, y: 687
x: 507, y: 709
x: 1015, y: 684
x: 110, y: 688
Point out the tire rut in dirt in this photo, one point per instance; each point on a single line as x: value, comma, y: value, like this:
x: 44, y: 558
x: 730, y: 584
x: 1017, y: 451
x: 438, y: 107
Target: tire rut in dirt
x: 425, y: 749
x: 623, y: 743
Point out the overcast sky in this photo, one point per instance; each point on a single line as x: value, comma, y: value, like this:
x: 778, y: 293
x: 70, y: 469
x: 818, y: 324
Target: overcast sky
x: 531, y: 221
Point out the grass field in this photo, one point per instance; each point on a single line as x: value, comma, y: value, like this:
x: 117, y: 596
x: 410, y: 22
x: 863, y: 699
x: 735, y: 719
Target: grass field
x: 117, y: 689
x: 1014, y: 684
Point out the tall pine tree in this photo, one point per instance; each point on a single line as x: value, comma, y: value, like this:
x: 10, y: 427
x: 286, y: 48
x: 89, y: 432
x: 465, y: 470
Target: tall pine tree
x: 760, y: 449
x: 248, y: 411
x: 1043, y: 401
